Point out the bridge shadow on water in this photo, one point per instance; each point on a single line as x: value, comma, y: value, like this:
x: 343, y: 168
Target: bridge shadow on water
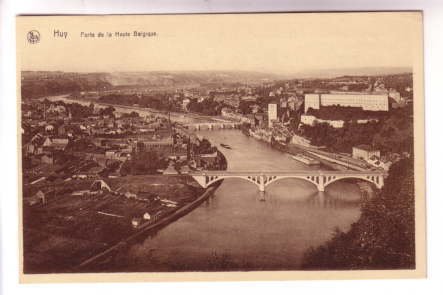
x: 313, y: 200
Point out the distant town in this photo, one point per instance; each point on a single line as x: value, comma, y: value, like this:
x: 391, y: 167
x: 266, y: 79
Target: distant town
x: 96, y: 147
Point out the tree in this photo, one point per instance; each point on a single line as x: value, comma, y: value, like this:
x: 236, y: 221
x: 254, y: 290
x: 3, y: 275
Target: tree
x: 245, y: 107
x: 108, y: 111
x: 78, y: 111
x: 204, y: 147
x: 146, y: 162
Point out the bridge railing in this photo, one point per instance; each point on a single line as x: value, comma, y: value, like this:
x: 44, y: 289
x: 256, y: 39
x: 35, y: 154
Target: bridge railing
x: 289, y: 172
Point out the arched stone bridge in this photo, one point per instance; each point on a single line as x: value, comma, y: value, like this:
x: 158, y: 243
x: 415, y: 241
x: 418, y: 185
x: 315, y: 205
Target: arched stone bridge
x: 213, y: 125
x: 321, y: 179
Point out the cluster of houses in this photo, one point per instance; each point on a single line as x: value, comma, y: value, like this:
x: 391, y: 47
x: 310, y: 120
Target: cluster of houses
x: 49, y: 131
x: 51, y: 136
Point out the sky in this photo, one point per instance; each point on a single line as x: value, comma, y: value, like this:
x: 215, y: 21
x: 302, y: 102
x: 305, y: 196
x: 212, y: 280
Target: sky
x: 276, y: 43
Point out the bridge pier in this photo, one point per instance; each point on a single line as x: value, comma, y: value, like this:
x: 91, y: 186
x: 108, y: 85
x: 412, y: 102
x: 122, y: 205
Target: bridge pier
x: 381, y: 182
x: 261, y: 186
x: 321, y: 183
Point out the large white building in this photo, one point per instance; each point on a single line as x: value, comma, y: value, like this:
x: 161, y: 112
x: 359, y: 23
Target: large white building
x: 365, y: 152
x: 272, y: 113
x: 367, y: 101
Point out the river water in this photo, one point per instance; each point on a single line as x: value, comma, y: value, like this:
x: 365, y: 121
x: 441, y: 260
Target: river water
x: 236, y: 230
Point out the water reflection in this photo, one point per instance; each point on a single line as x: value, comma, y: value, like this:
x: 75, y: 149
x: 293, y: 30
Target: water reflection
x: 316, y: 199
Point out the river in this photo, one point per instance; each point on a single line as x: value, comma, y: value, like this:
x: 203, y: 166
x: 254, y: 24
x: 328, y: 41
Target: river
x: 236, y: 230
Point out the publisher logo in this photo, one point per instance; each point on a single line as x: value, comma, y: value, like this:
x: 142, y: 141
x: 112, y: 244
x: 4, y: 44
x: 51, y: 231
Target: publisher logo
x: 33, y: 37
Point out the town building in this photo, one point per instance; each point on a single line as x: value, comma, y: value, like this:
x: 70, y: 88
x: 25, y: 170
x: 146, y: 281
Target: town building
x: 364, y: 152
x: 368, y: 101
x: 395, y: 95
x: 162, y: 146
x: 185, y: 104
x: 311, y: 120
x: 272, y: 113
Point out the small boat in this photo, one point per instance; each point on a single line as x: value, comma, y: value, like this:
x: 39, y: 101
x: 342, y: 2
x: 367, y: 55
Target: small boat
x: 225, y: 146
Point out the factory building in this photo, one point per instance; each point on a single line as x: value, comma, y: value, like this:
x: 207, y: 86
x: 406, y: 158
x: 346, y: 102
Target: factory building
x: 366, y: 101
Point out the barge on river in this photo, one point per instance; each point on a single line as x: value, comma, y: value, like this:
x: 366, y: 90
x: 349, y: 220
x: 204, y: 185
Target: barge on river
x: 306, y: 160
x: 225, y: 146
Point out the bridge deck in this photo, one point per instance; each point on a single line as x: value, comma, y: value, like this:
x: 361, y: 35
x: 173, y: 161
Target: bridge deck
x: 293, y: 172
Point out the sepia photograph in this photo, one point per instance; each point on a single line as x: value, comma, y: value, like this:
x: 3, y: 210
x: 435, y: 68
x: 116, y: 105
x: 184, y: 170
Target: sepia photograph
x: 214, y: 146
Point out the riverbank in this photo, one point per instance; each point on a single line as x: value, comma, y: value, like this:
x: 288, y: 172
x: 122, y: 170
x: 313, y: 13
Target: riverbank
x: 295, y: 150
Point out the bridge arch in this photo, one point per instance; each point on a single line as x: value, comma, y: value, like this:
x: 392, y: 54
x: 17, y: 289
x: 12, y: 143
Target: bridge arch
x: 213, y: 179
x: 315, y: 180
x: 372, y: 179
